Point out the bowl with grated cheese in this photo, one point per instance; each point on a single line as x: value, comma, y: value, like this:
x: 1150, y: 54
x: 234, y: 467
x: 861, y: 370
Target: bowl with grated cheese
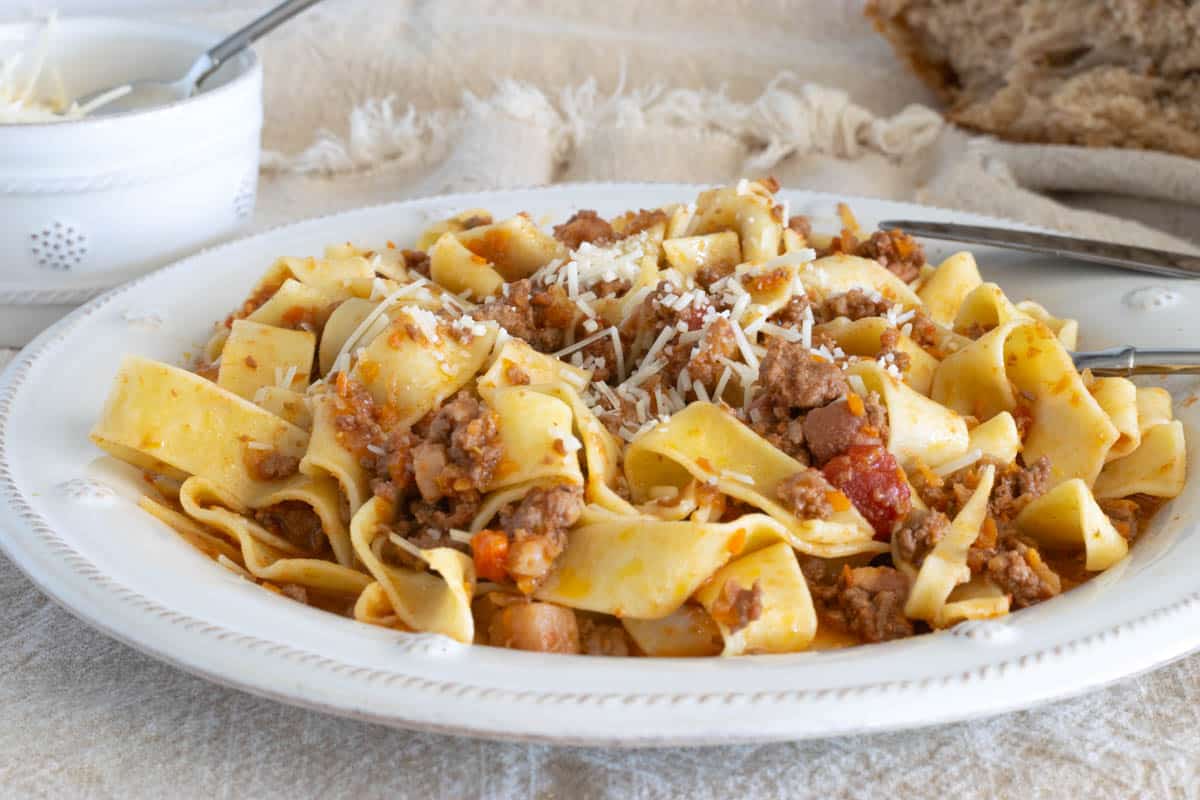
x: 90, y: 199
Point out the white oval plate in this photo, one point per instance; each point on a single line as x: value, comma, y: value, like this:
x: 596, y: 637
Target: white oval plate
x: 68, y: 520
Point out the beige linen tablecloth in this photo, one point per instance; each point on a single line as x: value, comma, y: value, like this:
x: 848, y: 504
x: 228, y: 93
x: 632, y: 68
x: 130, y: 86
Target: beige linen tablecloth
x: 365, y: 104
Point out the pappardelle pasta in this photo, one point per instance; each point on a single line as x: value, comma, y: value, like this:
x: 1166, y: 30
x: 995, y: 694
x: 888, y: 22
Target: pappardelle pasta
x: 694, y: 430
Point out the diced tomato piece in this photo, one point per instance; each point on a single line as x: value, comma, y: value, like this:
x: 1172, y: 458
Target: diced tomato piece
x: 875, y: 484
x: 490, y: 551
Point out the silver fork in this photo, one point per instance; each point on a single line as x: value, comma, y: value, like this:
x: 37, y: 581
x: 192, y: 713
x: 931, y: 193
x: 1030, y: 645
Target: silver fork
x: 1124, y: 256
x: 1123, y: 362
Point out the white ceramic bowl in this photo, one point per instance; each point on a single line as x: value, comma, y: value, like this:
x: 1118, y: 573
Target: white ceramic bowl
x: 91, y: 202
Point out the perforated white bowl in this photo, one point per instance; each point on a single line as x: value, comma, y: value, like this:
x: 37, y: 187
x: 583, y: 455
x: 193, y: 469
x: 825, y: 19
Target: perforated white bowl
x: 92, y: 202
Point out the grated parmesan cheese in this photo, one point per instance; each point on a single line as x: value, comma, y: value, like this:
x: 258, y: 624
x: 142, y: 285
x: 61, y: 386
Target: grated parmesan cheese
x: 284, y: 379
x: 660, y: 342
x: 796, y: 258
x: 572, y: 271
x: 897, y: 316
x: 342, y: 359
x: 751, y: 329
x: 407, y: 546
x: 582, y: 343
x: 607, y: 393
x: 585, y: 306
x: 748, y: 395
x: 722, y: 382
x: 18, y: 84
x: 683, y: 381
x: 460, y: 536
x: 426, y: 322
x: 644, y: 373
x: 740, y: 477
x: 744, y: 346
x: 642, y: 408
x: 619, y: 351
x: 577, y: 381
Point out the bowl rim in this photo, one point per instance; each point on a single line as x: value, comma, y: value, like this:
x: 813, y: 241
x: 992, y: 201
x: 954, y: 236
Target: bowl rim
x: 246, y: 62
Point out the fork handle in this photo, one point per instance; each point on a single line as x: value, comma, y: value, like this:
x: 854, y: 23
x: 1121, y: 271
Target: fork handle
x: 236, y: 42
x: 1137, y: 259
x: 1123, y: 362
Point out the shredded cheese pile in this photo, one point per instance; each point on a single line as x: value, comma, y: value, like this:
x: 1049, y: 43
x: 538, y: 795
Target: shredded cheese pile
x: 20, y: 75
x: 23, y: 77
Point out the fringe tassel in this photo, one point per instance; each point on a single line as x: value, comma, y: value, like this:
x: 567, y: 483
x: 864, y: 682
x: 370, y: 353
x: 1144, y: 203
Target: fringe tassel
x: 790, y: 117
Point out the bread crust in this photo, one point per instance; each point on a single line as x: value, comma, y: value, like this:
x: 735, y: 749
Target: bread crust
x: 1098, y: 73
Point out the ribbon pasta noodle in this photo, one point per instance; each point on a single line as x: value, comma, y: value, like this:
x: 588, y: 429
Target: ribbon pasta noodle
x: 698, y: 430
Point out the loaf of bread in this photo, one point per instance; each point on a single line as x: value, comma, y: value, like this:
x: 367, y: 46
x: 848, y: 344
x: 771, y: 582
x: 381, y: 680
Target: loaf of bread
x: 1103, y: 73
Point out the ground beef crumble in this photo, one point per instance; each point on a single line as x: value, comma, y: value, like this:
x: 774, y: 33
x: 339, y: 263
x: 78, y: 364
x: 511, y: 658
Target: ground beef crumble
x: 1017, y: 569
x: 368, y: 430
x: 709, y: 274
x: 704, y: 362
x: 868, y: 602
x: 976, y: 330
x: 831, y: 430
x: 999, y: 553
x: 269, y: 465
x: 801, y: 225
x: 516, y: 376
x: 896, y: 251
x: 584, y: 226
x: 453, y: 453
x: 1124, y: 514
x: 642, y: 220
x: 917, y: 535
x: 611, y: 287
x: 537, y: 530
x: 445, y: 460
x: 806, y: 494
x: 252, y: 303
x: 458, y: 448
x: 854, y: 305
x: 1014, y: 487
x: 888, y: 343
x: 770, y: 281
x: 736, y: 606
x: 296, y: 522
x: 792, y: 314
x: 790, y: 376
x: 791, y: 381
x: 416, y: 261
x: 655, y: 313
x: 539, y: 316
